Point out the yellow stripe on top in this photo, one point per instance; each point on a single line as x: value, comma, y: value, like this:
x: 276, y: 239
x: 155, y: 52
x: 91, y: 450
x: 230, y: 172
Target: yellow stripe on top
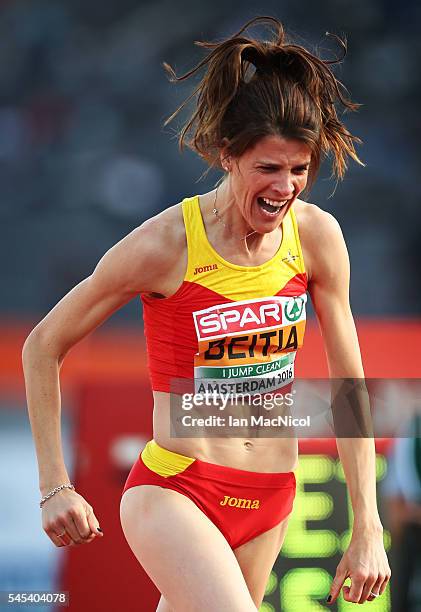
x: 296, y: 240
x: 257, y: 281
x: 164, y: 462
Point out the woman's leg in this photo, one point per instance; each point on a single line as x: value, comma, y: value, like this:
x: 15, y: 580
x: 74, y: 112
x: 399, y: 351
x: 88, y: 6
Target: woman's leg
x: 183, y: 552
x: 163, y: 605
x: 257, y: 557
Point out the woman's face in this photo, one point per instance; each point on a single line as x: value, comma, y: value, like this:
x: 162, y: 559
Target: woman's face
x: 267, y: 179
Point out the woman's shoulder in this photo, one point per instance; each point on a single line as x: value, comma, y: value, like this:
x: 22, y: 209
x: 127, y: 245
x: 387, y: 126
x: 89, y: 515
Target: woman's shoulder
x: 166, y: 225
x: 148, y: 254
x: 162, y: 235
x: 316, y: 228
x: 313, y: 222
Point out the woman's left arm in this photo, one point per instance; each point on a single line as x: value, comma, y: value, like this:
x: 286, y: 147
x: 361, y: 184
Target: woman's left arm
x: 365, y: 560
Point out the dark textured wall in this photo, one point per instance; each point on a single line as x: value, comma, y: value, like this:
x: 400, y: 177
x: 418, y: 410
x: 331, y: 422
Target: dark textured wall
x: 84, y: 157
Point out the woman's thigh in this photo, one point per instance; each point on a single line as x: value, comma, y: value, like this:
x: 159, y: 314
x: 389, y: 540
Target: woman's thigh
x: 257, y: 557
x: 183, y: 552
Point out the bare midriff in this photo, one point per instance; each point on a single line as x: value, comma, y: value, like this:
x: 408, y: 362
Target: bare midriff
x: 252, y: 453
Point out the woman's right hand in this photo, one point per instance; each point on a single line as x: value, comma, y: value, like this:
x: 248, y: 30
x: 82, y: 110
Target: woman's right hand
x: 69, y: 513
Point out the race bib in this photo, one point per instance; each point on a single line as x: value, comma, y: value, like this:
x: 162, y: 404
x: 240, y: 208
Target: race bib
x: 248, y: 347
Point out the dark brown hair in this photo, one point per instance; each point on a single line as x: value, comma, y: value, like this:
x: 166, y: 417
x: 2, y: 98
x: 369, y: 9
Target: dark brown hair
x: 255, y: 88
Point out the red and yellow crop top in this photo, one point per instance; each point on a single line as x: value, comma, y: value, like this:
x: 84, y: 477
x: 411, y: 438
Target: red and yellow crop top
x: 230, y: 328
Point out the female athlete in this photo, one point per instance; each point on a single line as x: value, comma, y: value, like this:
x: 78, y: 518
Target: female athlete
x: 223, y: 278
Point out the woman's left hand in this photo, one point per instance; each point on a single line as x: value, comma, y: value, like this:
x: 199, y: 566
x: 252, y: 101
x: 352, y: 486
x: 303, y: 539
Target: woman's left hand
x: 365, y: 562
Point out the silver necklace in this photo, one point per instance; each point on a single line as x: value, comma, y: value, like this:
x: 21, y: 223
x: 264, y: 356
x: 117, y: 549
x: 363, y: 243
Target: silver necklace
x: 216, y: 213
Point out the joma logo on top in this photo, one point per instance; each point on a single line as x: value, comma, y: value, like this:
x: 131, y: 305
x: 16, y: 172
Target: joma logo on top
x: 238, y: 317
x: 201, y: 269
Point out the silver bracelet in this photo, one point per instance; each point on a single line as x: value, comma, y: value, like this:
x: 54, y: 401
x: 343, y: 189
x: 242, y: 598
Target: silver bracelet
x: 53, y: 492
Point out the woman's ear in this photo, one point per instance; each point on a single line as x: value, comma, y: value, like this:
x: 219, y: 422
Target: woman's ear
x: 226, y: 165
x: 224, y: 157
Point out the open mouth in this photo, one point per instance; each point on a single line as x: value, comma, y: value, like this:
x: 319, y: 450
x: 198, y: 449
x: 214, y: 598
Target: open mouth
x: 271, y: 207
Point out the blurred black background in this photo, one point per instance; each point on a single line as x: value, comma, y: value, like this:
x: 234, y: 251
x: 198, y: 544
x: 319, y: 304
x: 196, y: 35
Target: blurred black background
x: 84, y: 157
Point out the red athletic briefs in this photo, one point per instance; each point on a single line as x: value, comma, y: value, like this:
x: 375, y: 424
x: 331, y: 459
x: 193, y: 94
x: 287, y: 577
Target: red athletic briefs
x: 241, y: 504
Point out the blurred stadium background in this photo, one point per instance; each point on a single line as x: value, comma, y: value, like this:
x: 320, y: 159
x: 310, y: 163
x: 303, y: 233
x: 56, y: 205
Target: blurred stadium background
x: 83, y: 160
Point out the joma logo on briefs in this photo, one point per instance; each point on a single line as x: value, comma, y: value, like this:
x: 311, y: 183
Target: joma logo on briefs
x: 236, y: 502
x: 238, y: 317
x: 205, y: 269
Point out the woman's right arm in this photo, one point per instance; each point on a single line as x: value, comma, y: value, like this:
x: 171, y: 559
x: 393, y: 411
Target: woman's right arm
x: 122, y: 273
